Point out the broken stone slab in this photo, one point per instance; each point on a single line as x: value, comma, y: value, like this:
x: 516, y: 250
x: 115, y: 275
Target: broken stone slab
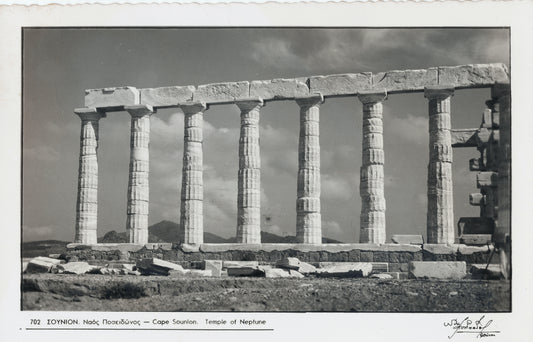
x: 487, y: 178
x: 348, y: 270
x: 166, y: 96
x: 77, y: 267
x: 437, y: 269
x: 306, y: 268
x: 278, y: 89
x: 493, y: 271
x: 468, y: 250
x: 289, y: 263
x: 382, y: 276
x: 230, y: 263
x: 440, y: 248
x: 112, y: 97
x: 246, y: 271
x: 341, y: 84
x: 215, y: 266
x: 189, y: 273
x: 476, y: 239
x: 282, y: 273
x: 54, y: 256
x: 405, y: 80
x: 406, y: 239
x: 222, y: 92
x: 473, y: 75
x: 113, y: 271
x: 41, y: 264
x: 156, y: 266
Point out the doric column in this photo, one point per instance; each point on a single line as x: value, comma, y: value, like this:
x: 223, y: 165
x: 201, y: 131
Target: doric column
x: 87, y: 201
x: 192, y: 188
x: 308, y: 218
x: 440, y: 221
x: 249, y: 191
x: 371, y: 186
x: 138, y: 182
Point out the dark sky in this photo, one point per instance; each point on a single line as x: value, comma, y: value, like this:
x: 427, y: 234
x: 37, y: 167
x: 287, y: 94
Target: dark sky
x: 59, y: 64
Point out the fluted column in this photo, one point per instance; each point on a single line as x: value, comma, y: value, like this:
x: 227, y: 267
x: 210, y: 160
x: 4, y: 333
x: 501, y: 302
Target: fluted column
x: 440, y: 221
x: 192, y: 188
x: 371, y: 186
x: 249, y: 185
x: 138, y: 181
x: 87, y: 200
x: 308, y: 217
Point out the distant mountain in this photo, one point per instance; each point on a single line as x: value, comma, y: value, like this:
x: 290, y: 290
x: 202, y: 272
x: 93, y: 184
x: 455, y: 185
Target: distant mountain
x: 43, y: 248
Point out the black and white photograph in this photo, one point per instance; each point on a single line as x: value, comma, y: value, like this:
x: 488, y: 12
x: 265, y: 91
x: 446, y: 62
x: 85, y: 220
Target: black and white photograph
x: 222, y: 177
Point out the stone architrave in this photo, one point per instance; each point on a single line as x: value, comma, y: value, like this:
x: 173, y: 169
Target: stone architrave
x: 138, y: 183
x: 308, y: 217
x: 440, y: 221
x: 87, y: 201
x: 192, y: 188
x: 371, y: 186
x: 249, y: 184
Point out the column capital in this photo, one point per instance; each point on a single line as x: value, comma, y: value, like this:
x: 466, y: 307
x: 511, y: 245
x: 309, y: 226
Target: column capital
x: 499, y: 90
x: 139, y: 110
x: 248, y: 104
x: 372, y: 96
x: 439, y: 92
x: 91, y: 114
x: 193, y: 107
x: 310, y: 100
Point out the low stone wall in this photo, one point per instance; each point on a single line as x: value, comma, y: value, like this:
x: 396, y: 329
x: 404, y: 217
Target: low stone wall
x: 397, y: 256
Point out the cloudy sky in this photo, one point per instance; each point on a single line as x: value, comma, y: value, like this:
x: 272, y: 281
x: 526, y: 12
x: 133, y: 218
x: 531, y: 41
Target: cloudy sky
x: 59, y: 64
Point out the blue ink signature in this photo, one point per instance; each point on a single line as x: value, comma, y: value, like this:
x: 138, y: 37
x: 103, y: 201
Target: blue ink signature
x: 471, y: 326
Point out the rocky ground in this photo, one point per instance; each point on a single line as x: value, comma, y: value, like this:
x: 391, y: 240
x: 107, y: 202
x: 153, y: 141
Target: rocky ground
x: 93, y: 292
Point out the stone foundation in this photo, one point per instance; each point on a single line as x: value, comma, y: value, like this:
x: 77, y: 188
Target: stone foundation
x: 397, y: 256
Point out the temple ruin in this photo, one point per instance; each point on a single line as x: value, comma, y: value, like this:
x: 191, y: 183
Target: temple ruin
x: 437, y: 84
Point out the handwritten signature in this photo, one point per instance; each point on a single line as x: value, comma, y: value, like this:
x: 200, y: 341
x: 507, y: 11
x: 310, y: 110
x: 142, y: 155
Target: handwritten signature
x: 471, y: 326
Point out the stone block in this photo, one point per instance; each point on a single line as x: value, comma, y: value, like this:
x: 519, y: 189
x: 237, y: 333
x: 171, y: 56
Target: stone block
x: 492, y: 271
x: 222, y: 92
x: 473, y: 75
x: 289, y: 263
x: 464, y: 137
x: 467, y: 250
x: 166, y: 246
x: 166, y: 96
x: 437, y: 269
x: 245, y: 271
x: 405, y: 239
x: 476, y: 239
x: 380, y: 267
x: 487, y: 178
x: 475, y: 225
x: 41, y: 265
x: 380, y: 257
x: 79, y: 267
x: 475, y: 199
x: 157, y: 266
x: 112, y: 97
x: 230, y: 263
x: 474, y: 164
x: 278, y: 89
x: 367, y: 256
x: 282, y: 273
x: 200, y: 273
x: 405, y: 80
x: 382, y: 276
x: 339, y: 85
x: 440, y: 248
x: 346, y: 270
x: 306, y: 268
x: 215, y: 266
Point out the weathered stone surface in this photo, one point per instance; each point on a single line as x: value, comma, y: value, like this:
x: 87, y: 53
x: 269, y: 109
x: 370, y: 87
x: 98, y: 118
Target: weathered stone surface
x: 107, y: 247
x: 166, y: 246
x: 282, y: 273
x: 473, y: 75
x: 437, y: 269
x: 278, y: 89
x: 339, y: 85
x: 350, y: 270
x: 215, y: 266
x: 476, y: 239
x: 79, y: 267
x: 157, y: 266
x: 491, y: 271
x: 476, y: 225
x: 246, y: 271
x: 407, y: 239
x: 380, y: 266
x: 330, y: 247
x: 222, y: 92
x: 229, y: 263
x: 54, y: 255
x: 166, y: 96
x: 405, y: 80
x: 468, y: 250
x: 112, y: 97
x: 464, y: 137
x: 382, y: 276
x: 306, y: 268
x: 487, y: 178
x: 289, y: 263
x: 41, y: 265
x: 440, y: 248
